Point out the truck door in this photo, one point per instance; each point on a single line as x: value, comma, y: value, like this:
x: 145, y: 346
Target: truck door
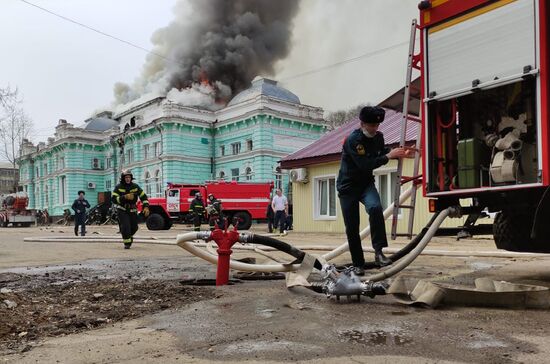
x: 173, y: 200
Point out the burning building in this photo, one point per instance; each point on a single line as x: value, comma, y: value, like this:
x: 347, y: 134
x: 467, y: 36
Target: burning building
x: 163, y: 139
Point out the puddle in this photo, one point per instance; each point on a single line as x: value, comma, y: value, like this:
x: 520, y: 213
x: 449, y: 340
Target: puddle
x: 375, y: 338
x: 483, y: 341
x: 482, y: 265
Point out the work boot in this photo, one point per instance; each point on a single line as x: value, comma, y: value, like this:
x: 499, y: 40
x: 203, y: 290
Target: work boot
x: 380, y: 259
x: 127, y: 245
x: 359, y: 271
x: 75, y: 232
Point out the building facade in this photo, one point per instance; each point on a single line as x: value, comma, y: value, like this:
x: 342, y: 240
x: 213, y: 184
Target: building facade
x: 163, y: 141
x: 8, y: 178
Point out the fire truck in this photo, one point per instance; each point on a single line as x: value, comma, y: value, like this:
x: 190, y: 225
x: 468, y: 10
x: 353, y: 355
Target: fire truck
x: 241, y: 202
x: 485, y: 121
x: 13, y: 210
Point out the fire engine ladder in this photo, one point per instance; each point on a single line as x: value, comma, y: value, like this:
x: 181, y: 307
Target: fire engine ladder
x: 413, y: 62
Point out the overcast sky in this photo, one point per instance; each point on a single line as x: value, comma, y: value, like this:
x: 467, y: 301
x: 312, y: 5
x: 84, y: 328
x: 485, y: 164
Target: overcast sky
x: 65, y: 71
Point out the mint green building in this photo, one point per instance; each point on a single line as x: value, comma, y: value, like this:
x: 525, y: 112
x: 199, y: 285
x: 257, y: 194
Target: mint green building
x: 163, y: 141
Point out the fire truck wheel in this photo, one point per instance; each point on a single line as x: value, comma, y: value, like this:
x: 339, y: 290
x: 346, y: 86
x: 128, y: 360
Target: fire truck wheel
x: 244, y: 220
x: 512, y: 231
x: 155, y: 222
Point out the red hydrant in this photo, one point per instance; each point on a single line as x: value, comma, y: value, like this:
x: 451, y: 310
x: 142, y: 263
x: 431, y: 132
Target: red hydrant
x: 225, y: 240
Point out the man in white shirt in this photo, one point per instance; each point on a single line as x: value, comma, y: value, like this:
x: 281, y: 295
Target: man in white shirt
x: 280, y: 206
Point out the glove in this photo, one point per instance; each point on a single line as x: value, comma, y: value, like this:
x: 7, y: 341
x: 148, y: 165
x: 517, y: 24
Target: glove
x: 78, y: 211
x: 146, y: 211
x: 129, y: 196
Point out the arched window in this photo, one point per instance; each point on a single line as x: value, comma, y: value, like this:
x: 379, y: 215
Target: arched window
x: 148, y: 183
x: 222, y: 175
x: 158, y: 183
x: 248, y: 173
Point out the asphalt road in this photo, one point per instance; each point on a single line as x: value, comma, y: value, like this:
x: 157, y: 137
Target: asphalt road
x: 263, y: 321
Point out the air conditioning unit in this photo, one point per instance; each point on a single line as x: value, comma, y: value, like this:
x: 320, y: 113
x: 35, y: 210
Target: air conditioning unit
x: 96, y: 163
x: 298, y: 175
x: 91, y: 185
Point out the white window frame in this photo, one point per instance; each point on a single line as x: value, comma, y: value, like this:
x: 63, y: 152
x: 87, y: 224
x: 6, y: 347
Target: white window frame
x: 248, y: 173
x: 146, y: 152
x: 235, y: 177
x: 236, y: 148
x: 317, y: 198
x: 390, y: 187
x: 157, y: 149
x: 147, y: 178
x: 62, y: 190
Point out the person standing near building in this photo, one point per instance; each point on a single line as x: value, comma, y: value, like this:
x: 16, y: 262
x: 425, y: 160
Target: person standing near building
x: 196, y: 209
x: 280, y: 206
x: 215, y: 212
x: 363, y: 151
x: 125, y: 197
x: 79, y: 207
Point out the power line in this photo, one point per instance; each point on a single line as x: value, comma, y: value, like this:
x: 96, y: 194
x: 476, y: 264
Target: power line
x: 354, y: 59
x: 282, y: 79
x: 99, y: 31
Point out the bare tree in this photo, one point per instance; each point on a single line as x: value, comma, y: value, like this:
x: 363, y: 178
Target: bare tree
x: 7, y: 95
x: 337, y: 118
x: 15, y: 126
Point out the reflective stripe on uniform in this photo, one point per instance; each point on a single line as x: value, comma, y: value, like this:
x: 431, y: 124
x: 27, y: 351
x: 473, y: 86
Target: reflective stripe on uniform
x: 125, y: 241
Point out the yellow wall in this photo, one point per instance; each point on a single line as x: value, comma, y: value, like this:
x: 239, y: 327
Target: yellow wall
x: 303, y: 202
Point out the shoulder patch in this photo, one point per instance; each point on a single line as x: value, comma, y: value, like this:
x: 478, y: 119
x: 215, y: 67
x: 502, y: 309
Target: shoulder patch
x: 360, y: 148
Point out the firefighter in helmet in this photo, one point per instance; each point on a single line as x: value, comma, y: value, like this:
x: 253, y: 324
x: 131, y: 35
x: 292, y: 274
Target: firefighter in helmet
x: 214, y: 210
x: 196, y: 209
x: 125, y: 197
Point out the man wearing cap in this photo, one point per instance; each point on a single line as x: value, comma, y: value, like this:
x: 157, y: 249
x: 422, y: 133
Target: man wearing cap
x: 364, y: 151
x: 79, y: 207
x: 125, y: 197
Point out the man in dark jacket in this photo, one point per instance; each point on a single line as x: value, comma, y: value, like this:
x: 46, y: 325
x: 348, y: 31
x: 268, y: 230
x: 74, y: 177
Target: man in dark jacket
x: 214, y: 210
x: 270, y: 215
x: 125, y: 197
x: 196, y: 209
x: 79, y: 207
x: 364, y: 151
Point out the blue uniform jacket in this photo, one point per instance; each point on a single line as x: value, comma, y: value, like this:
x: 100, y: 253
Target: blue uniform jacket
x: 360, y: 157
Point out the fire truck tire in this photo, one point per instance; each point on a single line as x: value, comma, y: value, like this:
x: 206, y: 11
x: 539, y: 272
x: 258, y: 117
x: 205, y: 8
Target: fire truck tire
x: 244, y: 219
x: 512, y: 231
x: 155, y: 222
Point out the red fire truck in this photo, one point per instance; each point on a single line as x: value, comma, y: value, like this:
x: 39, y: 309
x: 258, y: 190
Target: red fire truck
x: 485, y: 119
x: 13, y: 210
x: 241, y: 201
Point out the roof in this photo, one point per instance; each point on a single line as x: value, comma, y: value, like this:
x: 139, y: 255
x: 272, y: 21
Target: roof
x: 99, y: 124
x: 266, y: 87
x: 395, y: 101
x: 329, y: 146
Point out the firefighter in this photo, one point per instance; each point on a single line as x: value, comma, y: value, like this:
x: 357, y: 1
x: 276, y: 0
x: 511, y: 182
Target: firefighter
x: 363, y: 151
x: 215, y: 215
x: 196, y: 209
x: 125, y: 197
x: 79, y: 207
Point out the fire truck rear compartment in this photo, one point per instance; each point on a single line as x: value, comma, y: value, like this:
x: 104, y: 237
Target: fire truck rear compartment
x: 485, y: 139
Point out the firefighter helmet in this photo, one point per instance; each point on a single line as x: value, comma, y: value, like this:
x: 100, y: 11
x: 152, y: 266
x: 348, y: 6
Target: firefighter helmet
x: 125, y: 173
x: 198, y: 195
x: 211, y: 196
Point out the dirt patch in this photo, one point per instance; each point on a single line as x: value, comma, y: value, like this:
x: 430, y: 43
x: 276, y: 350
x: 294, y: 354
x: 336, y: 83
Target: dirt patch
x: 35, y: 307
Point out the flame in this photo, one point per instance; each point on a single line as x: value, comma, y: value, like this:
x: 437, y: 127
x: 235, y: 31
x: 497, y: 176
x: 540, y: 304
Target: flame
x: 203, y: 78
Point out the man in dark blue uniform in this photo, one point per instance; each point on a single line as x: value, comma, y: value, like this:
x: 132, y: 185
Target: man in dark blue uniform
x: 364, y: 151
x: 79, y: 207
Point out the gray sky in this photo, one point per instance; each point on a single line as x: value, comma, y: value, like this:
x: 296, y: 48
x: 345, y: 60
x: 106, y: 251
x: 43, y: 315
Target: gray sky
x: 66, y: 71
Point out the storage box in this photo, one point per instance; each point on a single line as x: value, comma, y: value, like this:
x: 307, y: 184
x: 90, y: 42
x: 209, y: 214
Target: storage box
x: 472, y: 158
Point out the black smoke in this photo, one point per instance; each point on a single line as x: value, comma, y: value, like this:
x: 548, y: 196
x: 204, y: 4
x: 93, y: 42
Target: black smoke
x: 227, y: 42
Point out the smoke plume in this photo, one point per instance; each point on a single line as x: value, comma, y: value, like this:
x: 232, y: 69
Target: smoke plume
x: 214, y: 51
